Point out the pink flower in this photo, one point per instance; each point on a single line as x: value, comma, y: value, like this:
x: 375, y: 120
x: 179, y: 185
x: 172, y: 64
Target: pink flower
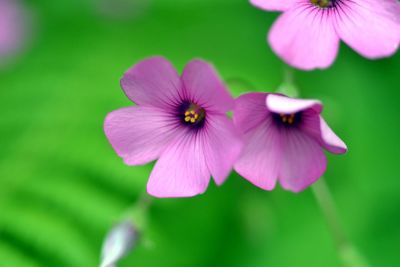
x: 180, y: 121
x: 307, y: 34
x: 284, y: 138
x: 11, y: 27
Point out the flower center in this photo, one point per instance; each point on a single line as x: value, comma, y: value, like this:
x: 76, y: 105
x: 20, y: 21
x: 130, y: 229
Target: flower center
x: 287, y: 119
x: 192, y: 114
x: 323, y: 3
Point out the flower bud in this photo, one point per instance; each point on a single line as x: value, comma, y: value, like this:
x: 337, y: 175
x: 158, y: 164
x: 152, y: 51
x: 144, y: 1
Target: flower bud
x: 118, y: 243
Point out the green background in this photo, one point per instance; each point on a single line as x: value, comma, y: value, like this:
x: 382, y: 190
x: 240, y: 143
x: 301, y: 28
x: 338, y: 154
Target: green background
x: 62, y: 186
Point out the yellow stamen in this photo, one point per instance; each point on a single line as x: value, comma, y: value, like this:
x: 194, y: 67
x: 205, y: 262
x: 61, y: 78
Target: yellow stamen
x: 191, y: 116
x: 194, y: 114
x: 288, y: 118
x: 323, y: 3
x: 291, y: 119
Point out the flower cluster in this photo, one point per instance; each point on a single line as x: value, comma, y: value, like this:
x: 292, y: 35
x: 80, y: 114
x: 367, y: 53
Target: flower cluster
x: 182, y: 122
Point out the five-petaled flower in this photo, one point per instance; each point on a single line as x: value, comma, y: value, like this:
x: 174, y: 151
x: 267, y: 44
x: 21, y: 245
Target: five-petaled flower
x: 284, y: 138
x: 181, y: 121
x: 307, y: 34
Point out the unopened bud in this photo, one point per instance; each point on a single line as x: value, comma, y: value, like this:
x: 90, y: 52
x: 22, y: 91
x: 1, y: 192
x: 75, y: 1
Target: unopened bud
x: 118, y: 243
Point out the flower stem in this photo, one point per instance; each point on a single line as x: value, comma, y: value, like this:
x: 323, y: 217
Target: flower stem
x: 349, y: 255
x: 325, y: 202
x: 288, y: 75
x: 137, y: 213
x: 288, y: 86
x: 125, y: 235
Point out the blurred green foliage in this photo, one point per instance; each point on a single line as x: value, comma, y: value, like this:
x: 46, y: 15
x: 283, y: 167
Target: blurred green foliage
x: 62, y: 186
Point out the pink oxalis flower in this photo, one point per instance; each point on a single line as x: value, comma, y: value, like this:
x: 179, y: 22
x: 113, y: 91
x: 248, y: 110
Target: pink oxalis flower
x: 307, y: 34
x: 181, y: 121
x: 284, y: 138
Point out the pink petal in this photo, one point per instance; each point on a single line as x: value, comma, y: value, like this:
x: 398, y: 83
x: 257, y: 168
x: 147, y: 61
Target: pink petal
x: 274, y: 5
x: 203, y: 86
x: 223, y: 144
x: 371, y: 27
x: 287, y: 105
x: 260, y: 159
x: 304, y: 38
x: 181, y: 170
x: 315, y: 126
x: 331, y: 141
x: 152, y: 82
x: 250, y: 111
x: 139, y: 134
x: 303, y: 160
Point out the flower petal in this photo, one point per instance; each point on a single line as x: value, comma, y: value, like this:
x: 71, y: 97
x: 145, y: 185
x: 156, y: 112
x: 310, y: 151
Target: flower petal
x: 315, y: 126
x: 260, y: 160
x: 139, y: 134
x: 153, y: 82
x: 250, y: 111
x: 273, y: 5
x: 222, y: 143
x: 287, y: 105
x: 331, y: 141
x: 371, y: 27
x: 303, y: 160
x: 304, y: 38
x: 181, y: 170
x: 203, y: 86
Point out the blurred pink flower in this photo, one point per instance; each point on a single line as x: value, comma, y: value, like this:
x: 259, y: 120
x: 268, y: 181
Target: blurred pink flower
x: 307, y: 34
x: 181, y: 121
x: 284, y: 138
x: 11, y: 27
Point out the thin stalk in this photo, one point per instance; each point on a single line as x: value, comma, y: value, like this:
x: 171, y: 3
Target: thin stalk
x: 325, y: 202
x: 348, y: 254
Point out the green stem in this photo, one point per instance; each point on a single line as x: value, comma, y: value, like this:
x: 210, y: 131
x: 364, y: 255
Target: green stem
x: 137, y: 213
x: 144, y: 201
x: 288, y: 75
x: 288, y: 86
x: 325, y: 202
x: 349, y: 255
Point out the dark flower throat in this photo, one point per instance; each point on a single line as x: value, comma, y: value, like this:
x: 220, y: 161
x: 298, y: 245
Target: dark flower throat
x: 324, y: 3
x: 287, y: 120
x: 191, y: 115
